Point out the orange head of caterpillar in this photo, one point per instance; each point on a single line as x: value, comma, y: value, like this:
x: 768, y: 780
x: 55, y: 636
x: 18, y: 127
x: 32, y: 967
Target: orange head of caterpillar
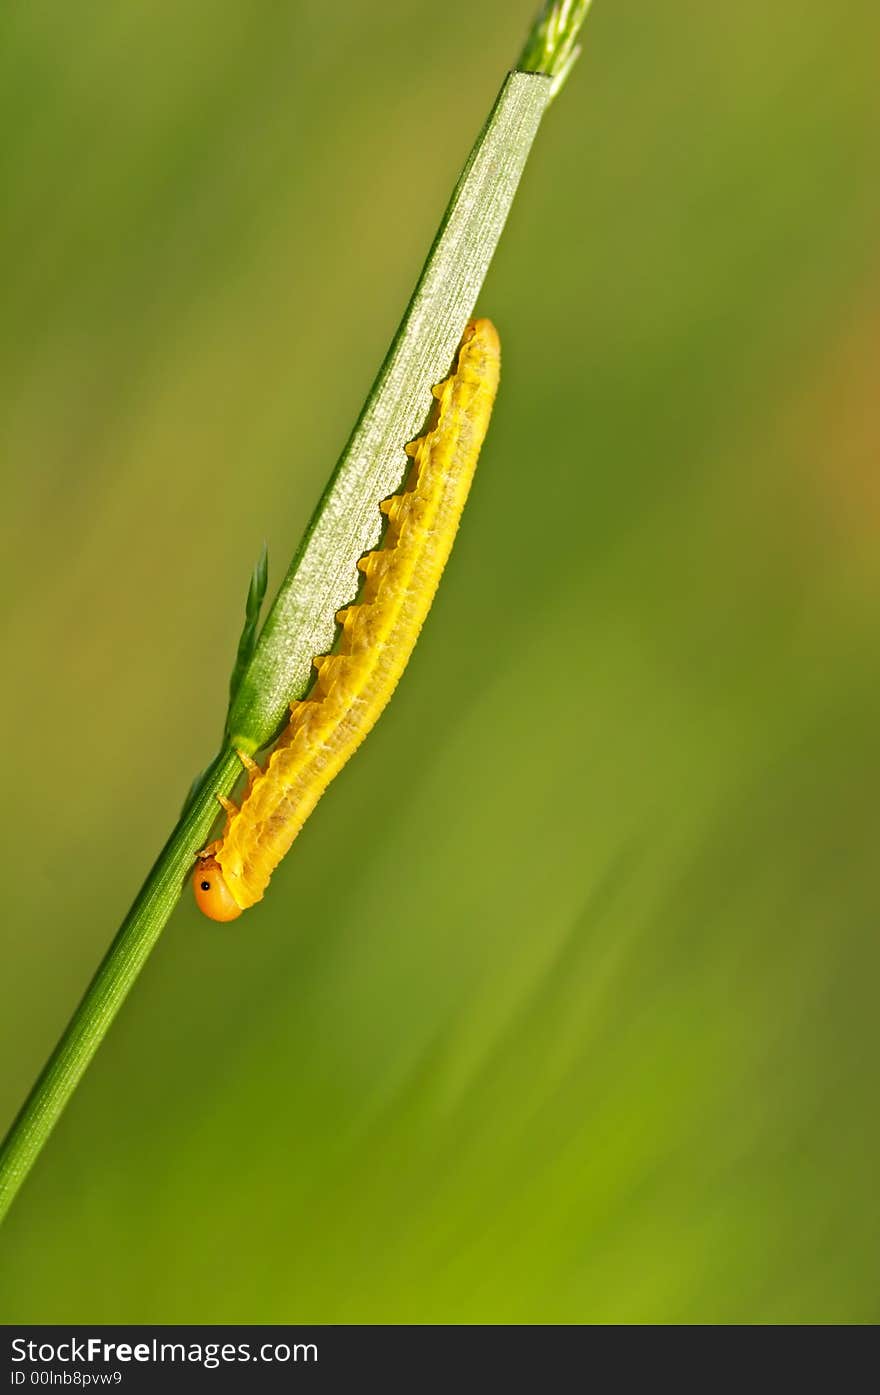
x: 213, y: 896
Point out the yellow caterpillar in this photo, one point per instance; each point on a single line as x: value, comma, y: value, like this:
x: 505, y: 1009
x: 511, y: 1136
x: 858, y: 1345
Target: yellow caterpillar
x: 379, y: 633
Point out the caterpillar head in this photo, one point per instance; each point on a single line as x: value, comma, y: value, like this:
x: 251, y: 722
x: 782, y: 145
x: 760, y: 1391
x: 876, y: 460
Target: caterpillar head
x: 213, y: 896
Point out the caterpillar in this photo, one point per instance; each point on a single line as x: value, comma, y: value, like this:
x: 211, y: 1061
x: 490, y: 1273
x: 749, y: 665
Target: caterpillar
x: 379, y: 631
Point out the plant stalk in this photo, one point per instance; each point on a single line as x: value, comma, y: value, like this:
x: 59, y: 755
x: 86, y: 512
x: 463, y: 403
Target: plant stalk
x: 323, y: 575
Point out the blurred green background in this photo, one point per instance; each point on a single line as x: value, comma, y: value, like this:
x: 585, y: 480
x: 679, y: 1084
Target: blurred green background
x: 564, y: 1006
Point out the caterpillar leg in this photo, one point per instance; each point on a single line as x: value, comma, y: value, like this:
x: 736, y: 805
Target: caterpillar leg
x: 230, y: 811
x: 393, y: 509
x: 252, y: 768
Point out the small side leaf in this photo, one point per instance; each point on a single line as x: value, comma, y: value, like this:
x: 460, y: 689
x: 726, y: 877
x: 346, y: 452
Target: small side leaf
x: 253, y: 605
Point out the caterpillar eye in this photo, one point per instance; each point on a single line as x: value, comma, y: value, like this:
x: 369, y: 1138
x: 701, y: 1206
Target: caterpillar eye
x: 213, y: 896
